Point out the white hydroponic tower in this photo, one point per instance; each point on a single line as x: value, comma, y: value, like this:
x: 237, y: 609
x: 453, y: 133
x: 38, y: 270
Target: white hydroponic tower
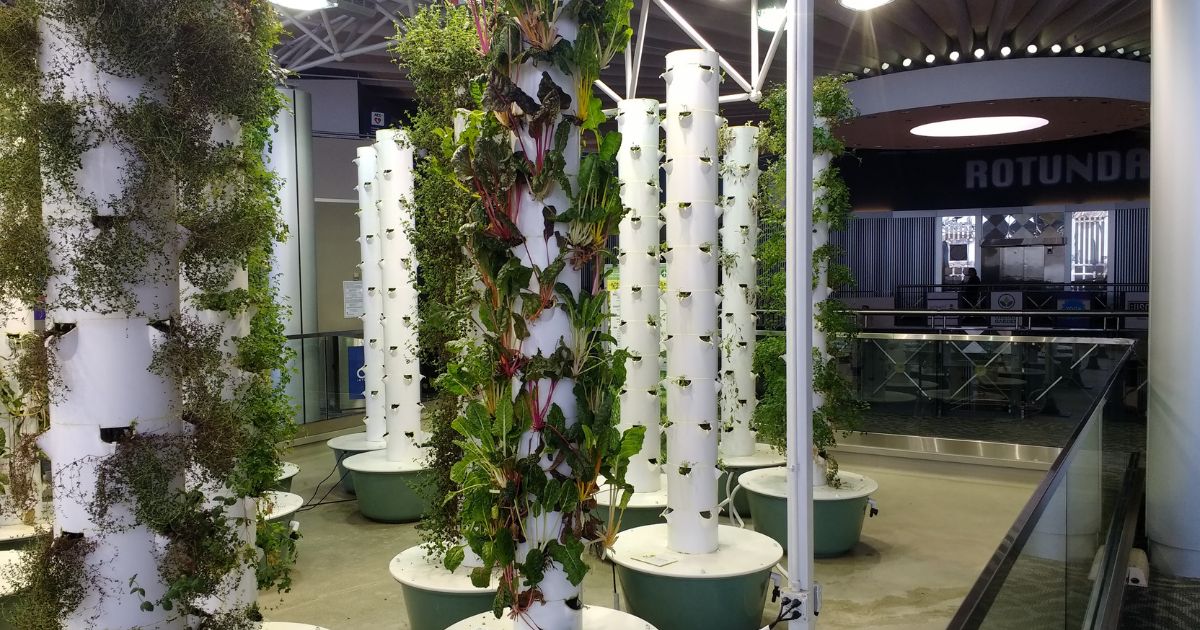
x: 371, y: 273
x: 739, y: 281
x: 402, y: 369
x: 691, y: 213
x: 638, y: 324
x: 103, y: 357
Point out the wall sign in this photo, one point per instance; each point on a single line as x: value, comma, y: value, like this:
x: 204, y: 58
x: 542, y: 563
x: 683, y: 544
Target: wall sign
x: 1099, y: 168
x: 352, y: 299
x: 378, y: 119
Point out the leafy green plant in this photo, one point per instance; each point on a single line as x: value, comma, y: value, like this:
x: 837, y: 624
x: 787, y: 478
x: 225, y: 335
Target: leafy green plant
x: 838, y: 407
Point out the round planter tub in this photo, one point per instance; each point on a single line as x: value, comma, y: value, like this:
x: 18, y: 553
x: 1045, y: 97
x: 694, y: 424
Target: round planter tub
x: 644, y: 508
x: 434, y: 597
x: 278, y: 507
x: 387, y: 491
x: 764, y: 456
x: 726, y: 589
x: 283, y: 482
x: 16, y: 536
x: 838, y: 513
x: 594, y: 618
x: 344, y: 446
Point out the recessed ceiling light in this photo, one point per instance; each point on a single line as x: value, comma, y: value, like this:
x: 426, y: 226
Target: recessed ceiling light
x: 1056, y: 49
x: 305, y: 5
x: 1120, y: 51
x: 979, y: 53
x: 866, y: 71
x: 1137, y: 53
x: 1031, y: 49
x: 1006, y: 51
x: 930, y: 58
x: 885, y: 65
x: 954, y: 55
x: 1102, y: 49
x: 863, y: 5
x: 771, y: 19
x: 982, y: 126
x: 906, y: 63
x: 1079, y: 49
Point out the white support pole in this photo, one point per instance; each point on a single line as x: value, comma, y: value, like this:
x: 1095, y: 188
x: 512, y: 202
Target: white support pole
x: 346, y: 54
x: 372, y: 289
x: 402, y: 370
x: 609, y: 92
x: 691, y: 32
x: 103, y: 357
x: 691, y: 214
x: 638, y: 324
x: 643, y: 18
x: 798, y: 207
x: 739, y: 295
x: 1173, y: 436
x: 756, y: 67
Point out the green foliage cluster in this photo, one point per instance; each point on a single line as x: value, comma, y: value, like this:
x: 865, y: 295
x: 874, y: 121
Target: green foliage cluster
x: 839, y: 409
x: 53, y: 572
x: 438, y: 48
x: 522, y: 456
x: 195, y: 198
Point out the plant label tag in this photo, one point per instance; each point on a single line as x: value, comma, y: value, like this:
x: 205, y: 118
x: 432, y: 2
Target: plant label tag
x: 657, y: 559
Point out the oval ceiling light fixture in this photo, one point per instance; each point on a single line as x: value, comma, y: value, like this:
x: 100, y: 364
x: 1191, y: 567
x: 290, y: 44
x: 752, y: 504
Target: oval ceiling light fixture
x: 1137, y: 53
x: 1056, y: 49
x: 771, y: 19
x: 1102, y: 49
x: 979, y: 53
x: 954, y: 55
x: 305, y: 5
x: 906, y: 63
x: 863, y: 5
x: 1005, y: 51
x: 1031, y: 49
x: 885, y: 65
x: 982, y: 126
x: 866, y: 70
x: 1079, y: 49
x: 930, y: 58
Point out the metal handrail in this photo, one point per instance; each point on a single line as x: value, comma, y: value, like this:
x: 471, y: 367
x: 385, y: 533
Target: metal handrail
x: 982, y: 595
x: 1104, y: 606
x: 937, y: 312
x: 330, y: 333
x: 1100, y: 341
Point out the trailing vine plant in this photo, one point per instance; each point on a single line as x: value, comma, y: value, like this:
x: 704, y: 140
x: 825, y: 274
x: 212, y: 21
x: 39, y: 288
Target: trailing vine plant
x: 837, y: 408
x: 439, y: 49
x: 539, y: 427
x: 194, y: 203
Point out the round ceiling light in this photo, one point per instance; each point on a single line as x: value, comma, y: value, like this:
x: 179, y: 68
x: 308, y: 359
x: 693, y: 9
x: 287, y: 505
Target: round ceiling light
x: 954, y: 55
x: 863, y: 5
x: 979, y: 53
x: 983, y: 126
x: 771, y: 19
x: 1056, y: 49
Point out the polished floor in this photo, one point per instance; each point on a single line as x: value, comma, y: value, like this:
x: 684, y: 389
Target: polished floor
x: 915, y: 563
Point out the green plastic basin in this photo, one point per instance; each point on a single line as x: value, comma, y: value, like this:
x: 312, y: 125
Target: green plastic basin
x: 436, y: 610
x: 390, y: 497
x: 673, y: 603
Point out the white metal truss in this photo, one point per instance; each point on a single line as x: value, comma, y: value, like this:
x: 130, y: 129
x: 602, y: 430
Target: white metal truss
x: 340, y: 33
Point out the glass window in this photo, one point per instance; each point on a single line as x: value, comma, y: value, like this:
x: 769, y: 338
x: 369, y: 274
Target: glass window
x: 958, y: 247
x: 1089, y: 246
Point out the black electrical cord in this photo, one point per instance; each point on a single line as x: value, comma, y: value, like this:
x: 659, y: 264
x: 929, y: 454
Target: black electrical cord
x: 308, y: 505
x: 789, y: 609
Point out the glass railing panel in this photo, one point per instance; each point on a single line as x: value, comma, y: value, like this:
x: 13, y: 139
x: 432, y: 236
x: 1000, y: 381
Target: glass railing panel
x: 1019, y: 390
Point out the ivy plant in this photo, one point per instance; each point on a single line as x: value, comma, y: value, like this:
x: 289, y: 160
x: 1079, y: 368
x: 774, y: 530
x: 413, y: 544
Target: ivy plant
x: 839, y: 409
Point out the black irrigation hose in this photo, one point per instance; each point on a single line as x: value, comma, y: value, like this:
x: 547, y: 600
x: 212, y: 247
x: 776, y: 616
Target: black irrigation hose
x: 308, y: 505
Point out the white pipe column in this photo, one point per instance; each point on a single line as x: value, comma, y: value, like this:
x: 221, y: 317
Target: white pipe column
x: 1173, y: 436
x: 820, y: 293
x: 402, y: 370
x: 372, y: 288
x: 546, y: 333
x: 294, y: 260
x: 638, y: 167
x: 798, y: 224
x: 739, y: 295
x: 104, y: 383
x: 691, y: 212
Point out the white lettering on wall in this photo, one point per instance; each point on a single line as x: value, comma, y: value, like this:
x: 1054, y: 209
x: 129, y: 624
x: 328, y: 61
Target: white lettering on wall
x: 1051, y: 170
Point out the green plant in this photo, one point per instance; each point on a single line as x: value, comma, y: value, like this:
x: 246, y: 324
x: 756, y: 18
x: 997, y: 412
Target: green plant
x: 523, y: 456
x: 202, y: 66
x: 52, y: 576
x: 838, y: 409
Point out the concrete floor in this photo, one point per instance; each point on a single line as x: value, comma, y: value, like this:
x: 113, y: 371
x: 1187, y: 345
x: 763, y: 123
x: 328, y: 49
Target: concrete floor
x: 916, y: 561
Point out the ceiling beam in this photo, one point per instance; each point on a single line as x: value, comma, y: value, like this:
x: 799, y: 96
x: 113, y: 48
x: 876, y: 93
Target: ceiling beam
x: 1120, y: 20
x: 962, y: 21
x: 1001, y: 9
x: 1063, y: 27
x: 913, y: 19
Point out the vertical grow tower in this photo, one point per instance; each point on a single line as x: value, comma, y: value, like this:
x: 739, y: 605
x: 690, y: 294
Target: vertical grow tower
x: 740, y: 450
x: 385, y: 479
x: 637, y: 323
x: 692, y: 572
x: 373, y: 342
